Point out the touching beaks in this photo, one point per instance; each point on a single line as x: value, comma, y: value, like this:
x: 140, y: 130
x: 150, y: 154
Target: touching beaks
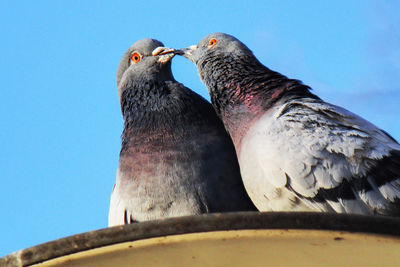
x: 165, y: 54
x: 162, y: 51
x: 186, y: 52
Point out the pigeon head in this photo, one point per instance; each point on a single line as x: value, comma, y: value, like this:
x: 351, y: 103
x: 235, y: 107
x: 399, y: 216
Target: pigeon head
x: 213, y: 47
x: 215, y: 44
x: 145, y: 60
x: 226, y: 66
x: 240, y: 86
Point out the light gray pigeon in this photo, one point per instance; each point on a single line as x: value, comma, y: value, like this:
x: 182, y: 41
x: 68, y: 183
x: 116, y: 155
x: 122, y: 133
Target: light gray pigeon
x: 176, y: 158
x: 295, y: 151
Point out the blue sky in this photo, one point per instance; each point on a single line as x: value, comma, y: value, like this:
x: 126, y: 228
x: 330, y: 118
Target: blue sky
x: 59, y: 113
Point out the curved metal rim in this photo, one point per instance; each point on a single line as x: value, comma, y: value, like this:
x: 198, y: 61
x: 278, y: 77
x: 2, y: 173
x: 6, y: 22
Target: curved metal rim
x: 203, y: 223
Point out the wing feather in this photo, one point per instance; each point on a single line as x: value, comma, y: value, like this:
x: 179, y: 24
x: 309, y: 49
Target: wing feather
x: 327, y: 152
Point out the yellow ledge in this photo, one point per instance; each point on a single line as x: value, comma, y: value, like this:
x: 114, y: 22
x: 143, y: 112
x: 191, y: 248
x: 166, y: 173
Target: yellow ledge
x: 244, y: 248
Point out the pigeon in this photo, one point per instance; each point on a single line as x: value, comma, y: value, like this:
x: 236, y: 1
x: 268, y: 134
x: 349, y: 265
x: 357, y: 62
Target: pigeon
x: 176, y: 157
x: 295, y: 151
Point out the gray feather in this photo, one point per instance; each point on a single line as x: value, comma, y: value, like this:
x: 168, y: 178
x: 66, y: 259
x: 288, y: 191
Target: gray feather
x: 176, y: 158
x: 318, y: 156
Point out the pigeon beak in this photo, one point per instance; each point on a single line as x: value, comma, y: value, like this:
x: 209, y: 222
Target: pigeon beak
x: 165, y: 54
x: 187, y: 52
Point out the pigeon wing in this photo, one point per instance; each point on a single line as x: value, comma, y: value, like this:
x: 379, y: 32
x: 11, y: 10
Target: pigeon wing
x: 323, y: 156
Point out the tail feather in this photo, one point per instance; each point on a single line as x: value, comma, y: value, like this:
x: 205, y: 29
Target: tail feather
x: 381, y: 190
x: 391, y: 190
x: 117, y: 209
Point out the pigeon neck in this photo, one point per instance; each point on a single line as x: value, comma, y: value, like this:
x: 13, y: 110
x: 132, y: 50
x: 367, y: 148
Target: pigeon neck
x: 153, y: 74
x: 242, y: 89
x: 167, y: 110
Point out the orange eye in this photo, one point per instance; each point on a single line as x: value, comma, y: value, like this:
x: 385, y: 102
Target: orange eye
x: 212, y: 42
x: 135, y: 57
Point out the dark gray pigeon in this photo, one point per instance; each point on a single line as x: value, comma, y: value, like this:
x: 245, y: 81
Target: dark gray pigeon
x: 296, y: 152
x: 176, y: 158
